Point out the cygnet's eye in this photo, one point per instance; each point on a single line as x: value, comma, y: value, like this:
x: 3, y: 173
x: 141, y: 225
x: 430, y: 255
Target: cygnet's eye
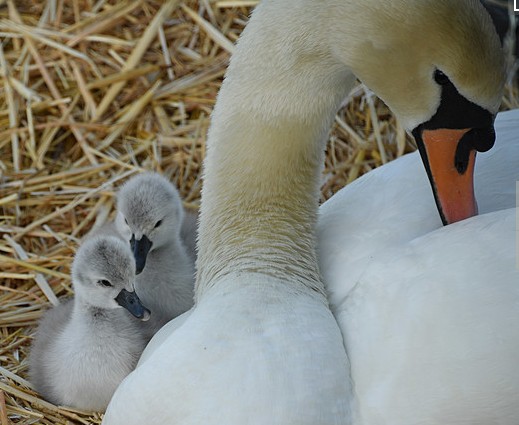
x: 104, y: 282
x: 440, y: 77
x: 158, y: 223
x: 126, y: 221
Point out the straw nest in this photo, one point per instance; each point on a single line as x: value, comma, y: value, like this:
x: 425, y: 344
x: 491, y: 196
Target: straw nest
x: 92, y: 92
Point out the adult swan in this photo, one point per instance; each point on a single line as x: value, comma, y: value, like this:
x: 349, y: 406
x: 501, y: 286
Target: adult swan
x: 260, y: 345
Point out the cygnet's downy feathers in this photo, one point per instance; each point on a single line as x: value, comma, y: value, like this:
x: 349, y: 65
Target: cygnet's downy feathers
x: 150, y: 217
x: 86, y: 346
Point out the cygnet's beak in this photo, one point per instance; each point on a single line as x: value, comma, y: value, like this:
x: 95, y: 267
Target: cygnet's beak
x: 140, y: 250
x: 131, y: 302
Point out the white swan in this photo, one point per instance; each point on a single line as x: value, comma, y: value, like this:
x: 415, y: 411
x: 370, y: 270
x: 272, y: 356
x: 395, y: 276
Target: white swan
x: 85, y: 347
x: 150, y: 216
x: 429, y: 317
x: 260, y: 346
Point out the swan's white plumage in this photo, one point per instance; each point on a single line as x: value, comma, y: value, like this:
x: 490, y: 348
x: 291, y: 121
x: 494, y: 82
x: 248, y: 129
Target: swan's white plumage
x: 429, y: 313
x: 260, y: 345
x: 431, y: 328
x: 497, y: 171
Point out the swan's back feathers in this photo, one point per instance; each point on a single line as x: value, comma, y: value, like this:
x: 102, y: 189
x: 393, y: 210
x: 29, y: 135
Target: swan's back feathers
x: 431, y: 328
x: 497, y: 170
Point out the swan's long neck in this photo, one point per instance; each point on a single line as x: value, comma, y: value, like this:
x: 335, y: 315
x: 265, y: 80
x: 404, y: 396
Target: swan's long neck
x: 265, y: 154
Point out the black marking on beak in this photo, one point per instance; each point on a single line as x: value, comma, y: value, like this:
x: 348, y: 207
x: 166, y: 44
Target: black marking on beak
x: 140, y: 250
x: 131, y: 302
x: 479, y: 139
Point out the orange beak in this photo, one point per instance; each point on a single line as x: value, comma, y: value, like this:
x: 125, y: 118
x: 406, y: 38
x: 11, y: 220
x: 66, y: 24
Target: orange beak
x: 454, y: 191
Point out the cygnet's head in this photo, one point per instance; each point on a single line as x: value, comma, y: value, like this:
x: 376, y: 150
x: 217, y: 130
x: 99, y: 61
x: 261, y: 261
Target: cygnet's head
x: 103, y: 275
x: 149, y: 214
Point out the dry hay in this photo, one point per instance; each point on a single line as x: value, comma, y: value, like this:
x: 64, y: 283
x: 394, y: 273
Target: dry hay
x: 92, y: 92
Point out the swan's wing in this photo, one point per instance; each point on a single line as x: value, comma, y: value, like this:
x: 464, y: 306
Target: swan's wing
x: 432, y: 331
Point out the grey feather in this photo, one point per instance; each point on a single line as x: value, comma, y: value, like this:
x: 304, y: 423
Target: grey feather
x: 188, y: 232
x: 166, y: 283
x: 86, y: 346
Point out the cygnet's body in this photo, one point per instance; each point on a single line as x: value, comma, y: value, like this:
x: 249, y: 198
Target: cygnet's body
x: 86, y: 346
x: 188, y: 232
x: 150, y: 216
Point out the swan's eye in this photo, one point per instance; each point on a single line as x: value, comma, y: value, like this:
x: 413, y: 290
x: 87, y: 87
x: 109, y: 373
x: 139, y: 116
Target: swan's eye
x: 158, y: 223
x: 104, y: 282
x: 440, y: 77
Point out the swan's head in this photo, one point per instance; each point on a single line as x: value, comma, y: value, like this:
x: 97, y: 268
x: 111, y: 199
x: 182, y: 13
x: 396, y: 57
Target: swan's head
x: 439, y: 66
x: 103, y: 275
x: 149, y: 214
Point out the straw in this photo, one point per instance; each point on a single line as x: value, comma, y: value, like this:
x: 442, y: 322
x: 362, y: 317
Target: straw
x: 137, y: 53
x: 92, y: 93
x: 40, y: 280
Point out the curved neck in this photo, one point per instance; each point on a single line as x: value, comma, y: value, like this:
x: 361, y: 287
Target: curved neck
x: 265, y: 153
